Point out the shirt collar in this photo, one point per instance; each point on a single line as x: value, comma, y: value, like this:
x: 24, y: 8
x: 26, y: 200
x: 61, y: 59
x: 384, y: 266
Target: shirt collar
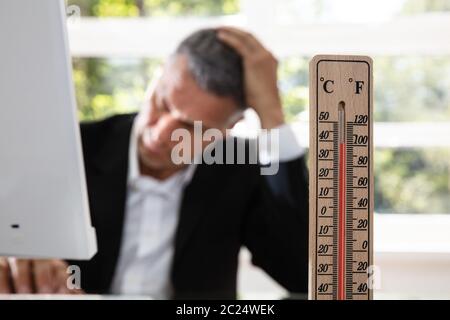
x: 184, y: 176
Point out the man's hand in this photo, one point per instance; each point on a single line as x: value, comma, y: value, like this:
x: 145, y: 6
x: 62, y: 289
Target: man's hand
x: 260, y: 72
x: 34, y: 276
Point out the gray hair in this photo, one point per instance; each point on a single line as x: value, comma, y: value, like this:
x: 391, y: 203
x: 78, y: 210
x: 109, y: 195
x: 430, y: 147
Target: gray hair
x: 215, y: 66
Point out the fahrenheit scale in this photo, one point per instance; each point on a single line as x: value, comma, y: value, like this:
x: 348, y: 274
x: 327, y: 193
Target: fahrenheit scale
x: 341, y: 178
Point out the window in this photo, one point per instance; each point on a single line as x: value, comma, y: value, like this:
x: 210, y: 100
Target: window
x: 117, y: 44
x: 106, y: 84
x: 113, y: 65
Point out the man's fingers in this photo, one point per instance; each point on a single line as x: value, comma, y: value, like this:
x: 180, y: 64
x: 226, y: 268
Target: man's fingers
x: 21, y: 275
x: 246, y: 40
x: 235, y: 41
x: 61, y: 279
x: 28, y: 276
x: 44, y: 278
x: 5, y: 279
x: 61, y: 275
x: 244, y: 36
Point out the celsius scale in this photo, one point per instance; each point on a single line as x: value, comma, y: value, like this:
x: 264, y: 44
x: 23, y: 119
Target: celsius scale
x: 341, y: 178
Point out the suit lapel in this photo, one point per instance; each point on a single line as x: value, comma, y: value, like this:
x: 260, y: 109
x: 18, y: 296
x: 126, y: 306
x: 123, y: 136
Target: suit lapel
x: 110, y: 191
x: 198, y: 198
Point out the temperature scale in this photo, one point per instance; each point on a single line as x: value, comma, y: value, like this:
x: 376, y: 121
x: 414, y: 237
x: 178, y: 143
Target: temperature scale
x: 341, y: 177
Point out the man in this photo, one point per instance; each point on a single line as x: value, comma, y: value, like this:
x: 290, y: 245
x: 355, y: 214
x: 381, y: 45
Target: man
x: 174, y: 230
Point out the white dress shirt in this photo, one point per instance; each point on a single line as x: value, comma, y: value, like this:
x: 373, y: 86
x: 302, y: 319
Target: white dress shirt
x: 151, y: 219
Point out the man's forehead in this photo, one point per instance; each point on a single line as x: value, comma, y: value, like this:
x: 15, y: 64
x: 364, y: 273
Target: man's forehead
x: 190, y: 102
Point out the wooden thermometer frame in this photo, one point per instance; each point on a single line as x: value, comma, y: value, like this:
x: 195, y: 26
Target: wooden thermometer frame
x: 341, y: 178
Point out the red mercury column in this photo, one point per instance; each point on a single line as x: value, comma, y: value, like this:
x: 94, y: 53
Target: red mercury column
x: 341, y: 197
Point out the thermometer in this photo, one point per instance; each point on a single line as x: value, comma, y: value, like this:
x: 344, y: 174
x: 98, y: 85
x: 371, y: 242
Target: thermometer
x: 341, y: 178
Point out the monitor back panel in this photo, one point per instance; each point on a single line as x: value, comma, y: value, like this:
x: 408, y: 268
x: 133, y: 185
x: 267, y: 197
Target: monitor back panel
x: 43, y: 200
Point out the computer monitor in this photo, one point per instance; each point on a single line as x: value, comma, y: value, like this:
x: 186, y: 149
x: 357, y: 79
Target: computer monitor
x: 44, y: 210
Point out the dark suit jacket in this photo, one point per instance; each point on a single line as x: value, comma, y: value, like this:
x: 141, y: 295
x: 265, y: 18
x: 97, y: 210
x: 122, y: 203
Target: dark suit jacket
x: 223, y: 208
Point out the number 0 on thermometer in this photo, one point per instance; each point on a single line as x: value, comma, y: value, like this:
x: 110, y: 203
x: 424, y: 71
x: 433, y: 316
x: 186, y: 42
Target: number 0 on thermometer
x: 341, y: 177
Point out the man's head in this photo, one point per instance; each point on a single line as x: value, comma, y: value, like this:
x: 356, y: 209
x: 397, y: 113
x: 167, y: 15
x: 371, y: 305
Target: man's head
x: 215, y: 66
x: 201, y: 81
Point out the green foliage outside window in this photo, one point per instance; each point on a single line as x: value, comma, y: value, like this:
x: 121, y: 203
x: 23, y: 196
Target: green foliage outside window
x: 134, y: 8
